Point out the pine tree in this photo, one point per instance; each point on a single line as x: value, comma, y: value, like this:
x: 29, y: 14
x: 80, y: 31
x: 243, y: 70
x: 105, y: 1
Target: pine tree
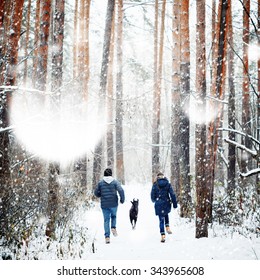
x: 176, y: 101
x: 200, y: 131
x: 120, y: 170
x: 98, y: 153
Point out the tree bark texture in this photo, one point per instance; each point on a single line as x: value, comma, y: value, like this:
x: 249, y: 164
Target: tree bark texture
x: 176, y: 101
x: 57, y: 74
x: 28, y: 20
x: 36, y: 41
x: 120, y: 170
x: 156, y: 101
x: 258, y: 99
x: 42, y: 65
x: 231, y: 171
x: 185, y: 196
x: 75, y: 40
x: 200, y: 131
x: 98, y: 153
x: 110, y: 101
x: 58, y: 38
x: 246, y: 118
x: 217, y: 91
x: 13, y: 29
x: 82, y: 70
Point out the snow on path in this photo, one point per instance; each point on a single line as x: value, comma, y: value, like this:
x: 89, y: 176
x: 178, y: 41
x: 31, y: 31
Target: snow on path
x: 144, y: 242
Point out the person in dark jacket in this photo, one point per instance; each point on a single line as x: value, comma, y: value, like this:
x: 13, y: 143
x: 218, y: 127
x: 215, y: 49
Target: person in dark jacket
x: 162, y: 195
x: 107, y: 189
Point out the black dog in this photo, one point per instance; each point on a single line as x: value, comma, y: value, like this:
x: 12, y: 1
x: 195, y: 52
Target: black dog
x: 133, y: 213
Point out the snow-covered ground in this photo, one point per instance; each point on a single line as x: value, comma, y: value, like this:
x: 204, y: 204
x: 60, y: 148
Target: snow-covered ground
x: 85, y: 238
x: 142, y: 246
x: 144, y: 241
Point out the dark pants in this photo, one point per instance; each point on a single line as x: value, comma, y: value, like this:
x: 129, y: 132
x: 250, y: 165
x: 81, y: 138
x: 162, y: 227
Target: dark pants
x: 163, y: 222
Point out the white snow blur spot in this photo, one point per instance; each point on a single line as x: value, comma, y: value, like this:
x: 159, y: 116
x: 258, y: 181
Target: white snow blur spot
x: 199, y: 113
x: 60, y: 132
x: 254, y: 52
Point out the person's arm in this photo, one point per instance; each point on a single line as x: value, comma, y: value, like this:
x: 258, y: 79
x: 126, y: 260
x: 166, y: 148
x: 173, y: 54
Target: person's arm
x: 173, y: 197
x: 121, y: 192
x: 153, y: 194
x: 97, y: 191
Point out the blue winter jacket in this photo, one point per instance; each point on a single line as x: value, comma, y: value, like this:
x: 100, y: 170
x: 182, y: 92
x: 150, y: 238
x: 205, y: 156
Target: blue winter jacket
x: 107, y: 190
x: 162, y: 195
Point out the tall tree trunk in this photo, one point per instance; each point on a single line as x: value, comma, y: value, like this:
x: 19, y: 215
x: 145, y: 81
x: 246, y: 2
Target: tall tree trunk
x: 98, y: 153
x: 200, y: 132
x: 43, y: 45
x: 110, y: 90
x: 246, y: 118
x: 57, y: 54
x: 156, y: 101
x: 28, y: 19
x: 57, y: 73
x: 81, y: 48
x: 83, y: 70
x: 213, y: 37
x: 86, y: 51
x: 185, y: 199
x: 217, y: 91
x: 36, y: 41
x: 231, y: 172
x: 75, y: 40
x: 120, y: 170
x: 258, y: 99
x: 2, y: 18
x: 41, y: 84
x: 159, y: 74
x: 9, y: 78
x: 156, y: 166
x: 176, y: 101
x: 6, y: 14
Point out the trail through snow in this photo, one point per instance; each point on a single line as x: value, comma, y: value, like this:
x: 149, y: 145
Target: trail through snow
x: 144, y: 242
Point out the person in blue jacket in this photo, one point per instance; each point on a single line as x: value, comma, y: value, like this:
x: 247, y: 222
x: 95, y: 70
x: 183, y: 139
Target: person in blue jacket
x: 108, y: 190
x: 162, y: 195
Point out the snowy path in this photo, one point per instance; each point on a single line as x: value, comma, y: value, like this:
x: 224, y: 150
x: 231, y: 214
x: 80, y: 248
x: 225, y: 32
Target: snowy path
x: 144, y: 241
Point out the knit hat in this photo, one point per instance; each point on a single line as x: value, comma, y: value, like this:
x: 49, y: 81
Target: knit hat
x: 160, y: 175
x: 108, y: 172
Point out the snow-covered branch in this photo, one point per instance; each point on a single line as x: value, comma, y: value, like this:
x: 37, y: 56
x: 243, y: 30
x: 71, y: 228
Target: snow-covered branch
x: 240, y: 133
x: 240, y: 146
x: 223, y: 156
x: 250, y: 173
x: 12, y: 88
x: 218, y: 100
x: 6, y: 128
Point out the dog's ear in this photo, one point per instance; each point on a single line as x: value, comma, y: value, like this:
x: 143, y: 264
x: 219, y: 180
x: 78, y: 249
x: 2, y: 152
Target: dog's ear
x: 131, y: 202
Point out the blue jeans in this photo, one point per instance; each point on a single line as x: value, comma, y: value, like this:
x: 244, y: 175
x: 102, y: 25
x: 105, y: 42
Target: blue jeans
x: 109, y: 213
x: 163, y: 221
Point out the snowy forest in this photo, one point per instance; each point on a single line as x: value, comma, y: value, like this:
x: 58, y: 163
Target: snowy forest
x: 138, y: 86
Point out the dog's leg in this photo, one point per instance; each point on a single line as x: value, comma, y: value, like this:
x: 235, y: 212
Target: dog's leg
x: 134, y: 224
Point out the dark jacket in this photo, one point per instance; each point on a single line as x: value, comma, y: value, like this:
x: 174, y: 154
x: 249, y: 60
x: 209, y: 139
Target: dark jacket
x: 162, y: 195
x: 107, y: 190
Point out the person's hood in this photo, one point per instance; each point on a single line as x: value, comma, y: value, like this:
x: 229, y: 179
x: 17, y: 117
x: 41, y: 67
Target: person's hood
x: 162, y: 182
x: 108, y: 179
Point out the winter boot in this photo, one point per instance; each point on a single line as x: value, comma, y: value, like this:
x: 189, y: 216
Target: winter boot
x: 163, y: 238
x: 114, y: 231
x: 107, y: 240
x: 168, y: 230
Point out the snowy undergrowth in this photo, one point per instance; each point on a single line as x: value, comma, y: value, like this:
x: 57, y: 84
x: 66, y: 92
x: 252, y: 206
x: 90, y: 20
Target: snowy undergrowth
x: 83, y: 237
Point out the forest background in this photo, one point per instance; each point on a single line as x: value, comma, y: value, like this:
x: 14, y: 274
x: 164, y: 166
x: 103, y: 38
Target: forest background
x: 140, y: 86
